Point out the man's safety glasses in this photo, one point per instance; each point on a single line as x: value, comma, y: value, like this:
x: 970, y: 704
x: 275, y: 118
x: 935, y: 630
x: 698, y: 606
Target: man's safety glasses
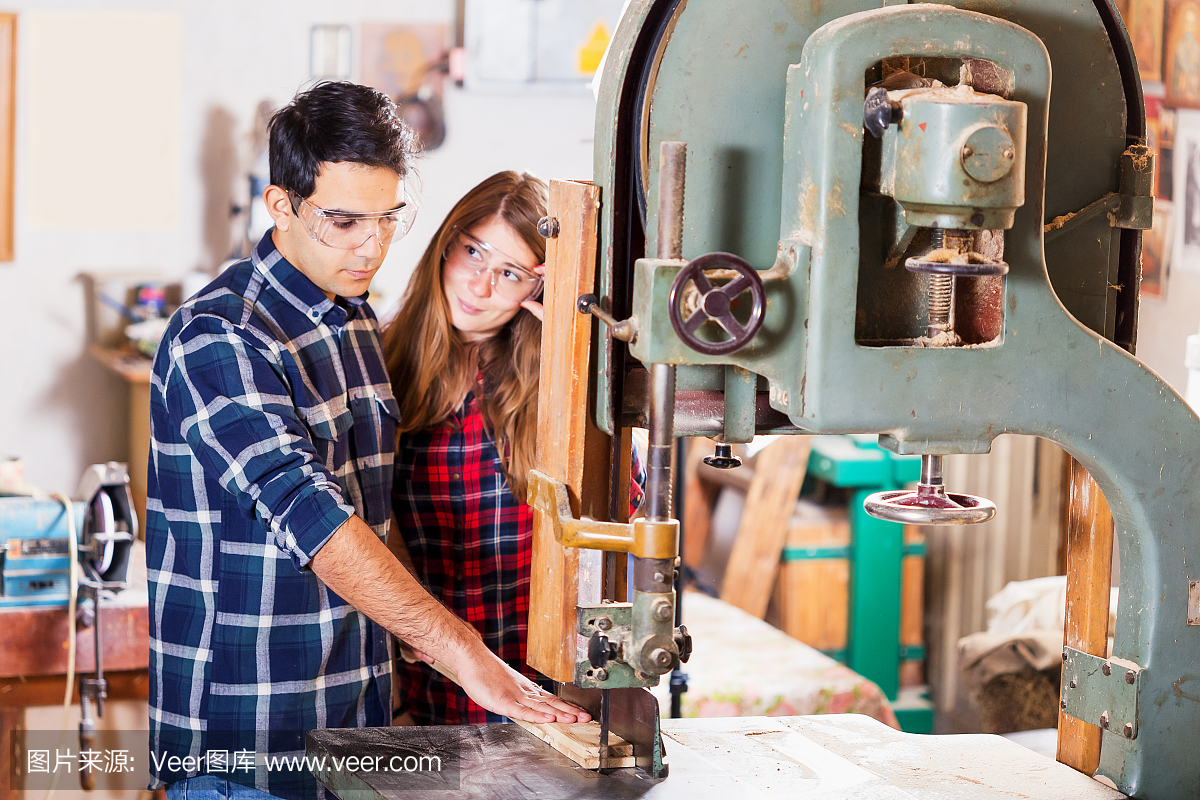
x: 509, y: 279
x: 345, y: 230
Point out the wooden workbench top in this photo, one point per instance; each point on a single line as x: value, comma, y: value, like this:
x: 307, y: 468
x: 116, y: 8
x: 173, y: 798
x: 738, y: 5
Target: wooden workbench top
x: 33, y: 641
x: 836, y: 757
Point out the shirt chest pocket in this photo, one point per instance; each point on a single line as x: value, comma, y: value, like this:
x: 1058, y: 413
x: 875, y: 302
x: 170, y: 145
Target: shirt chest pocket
x: 329, y: 421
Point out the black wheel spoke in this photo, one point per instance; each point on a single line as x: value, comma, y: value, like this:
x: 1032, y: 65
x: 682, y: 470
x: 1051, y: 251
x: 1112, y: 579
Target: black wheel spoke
x: 693, y: 322
x: 731, y: 325
x: 736, y: 286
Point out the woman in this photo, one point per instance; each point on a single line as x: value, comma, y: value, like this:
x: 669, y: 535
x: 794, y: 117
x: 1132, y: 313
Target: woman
x: 464, y: 355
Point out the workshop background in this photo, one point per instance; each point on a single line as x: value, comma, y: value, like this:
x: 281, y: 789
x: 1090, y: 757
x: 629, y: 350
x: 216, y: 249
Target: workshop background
x: 136, y: 136
x: 133, y: 125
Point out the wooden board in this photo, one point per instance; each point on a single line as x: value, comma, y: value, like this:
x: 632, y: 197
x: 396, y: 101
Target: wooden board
x: 1089, y: 575
x: 569, y: 447
x: 48, y: 690
x: 754, y: 560
x: 580, y: 742
x: 33, y: 641
x: 912, y: 608
x: 813, y: 594
x: 699, y: 497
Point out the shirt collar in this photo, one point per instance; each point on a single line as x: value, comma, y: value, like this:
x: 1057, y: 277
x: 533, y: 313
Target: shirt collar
x: 295, y: 286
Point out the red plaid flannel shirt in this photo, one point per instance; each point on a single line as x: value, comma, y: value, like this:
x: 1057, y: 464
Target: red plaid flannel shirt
x: 470, y: 541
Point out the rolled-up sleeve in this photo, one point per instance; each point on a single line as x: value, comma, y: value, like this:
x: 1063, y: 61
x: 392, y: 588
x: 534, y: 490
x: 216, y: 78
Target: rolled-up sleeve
x: 228, y: 392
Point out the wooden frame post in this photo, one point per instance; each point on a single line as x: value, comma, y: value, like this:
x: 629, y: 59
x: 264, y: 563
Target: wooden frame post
x: 570, y: 448
x: 1089, y: 535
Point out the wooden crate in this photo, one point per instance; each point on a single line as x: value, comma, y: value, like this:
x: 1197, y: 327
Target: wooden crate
x: 812, y: 593
x: 912, y: 608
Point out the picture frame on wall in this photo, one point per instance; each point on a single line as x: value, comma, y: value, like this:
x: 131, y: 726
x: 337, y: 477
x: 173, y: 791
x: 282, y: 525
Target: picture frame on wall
x: 1185, y: 255
x: 1156, y: 250
x: 1144, y: 21
x: 409, y: 63
x: 1181, y: 67
x: 1160, y: 138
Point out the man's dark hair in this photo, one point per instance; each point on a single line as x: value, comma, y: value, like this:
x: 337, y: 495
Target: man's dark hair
x: 336, y: 121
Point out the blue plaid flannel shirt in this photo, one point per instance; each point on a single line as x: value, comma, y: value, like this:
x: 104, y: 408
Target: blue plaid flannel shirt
x: 272, y: 422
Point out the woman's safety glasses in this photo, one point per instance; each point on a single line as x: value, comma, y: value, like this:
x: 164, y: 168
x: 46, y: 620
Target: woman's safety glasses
x: 345, y: 230
x: 509, y: 279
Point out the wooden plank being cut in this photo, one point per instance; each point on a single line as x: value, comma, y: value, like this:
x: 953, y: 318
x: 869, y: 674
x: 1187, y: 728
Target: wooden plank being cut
x: 580, y: 742
x: 1089, y: 577
x: 754, y: 560
x: 569, y: 447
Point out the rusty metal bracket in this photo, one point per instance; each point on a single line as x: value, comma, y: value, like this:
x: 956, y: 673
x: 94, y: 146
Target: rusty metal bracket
x: 1136, y: 211
x: 1131, y: 208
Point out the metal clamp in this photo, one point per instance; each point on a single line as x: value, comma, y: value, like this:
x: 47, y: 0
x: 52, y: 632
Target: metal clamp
x: 642, y: 538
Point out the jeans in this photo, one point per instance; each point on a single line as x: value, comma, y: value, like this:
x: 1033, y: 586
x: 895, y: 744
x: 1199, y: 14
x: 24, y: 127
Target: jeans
x: 210, y: 787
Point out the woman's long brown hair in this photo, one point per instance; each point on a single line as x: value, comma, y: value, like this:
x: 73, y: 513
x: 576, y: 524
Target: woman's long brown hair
x: 429, y: 362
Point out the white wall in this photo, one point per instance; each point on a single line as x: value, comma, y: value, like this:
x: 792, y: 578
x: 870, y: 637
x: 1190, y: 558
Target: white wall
x: 59, y: 409
x: 1163, y: 325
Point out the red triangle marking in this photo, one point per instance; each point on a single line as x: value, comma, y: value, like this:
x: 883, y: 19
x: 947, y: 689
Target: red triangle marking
x: 922, y: 126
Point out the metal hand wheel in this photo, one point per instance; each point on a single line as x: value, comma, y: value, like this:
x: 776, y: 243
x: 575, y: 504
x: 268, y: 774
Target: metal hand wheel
x: 716, y: 303
x: 930, y: 504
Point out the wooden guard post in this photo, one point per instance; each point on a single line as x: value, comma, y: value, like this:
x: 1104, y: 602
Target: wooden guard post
x: 569, y: 446
x: 1089, y: 532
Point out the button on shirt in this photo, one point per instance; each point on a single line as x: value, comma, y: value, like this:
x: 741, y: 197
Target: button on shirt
x: 272, y: 422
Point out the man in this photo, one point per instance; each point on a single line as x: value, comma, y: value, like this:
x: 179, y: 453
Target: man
x: 272, y: 436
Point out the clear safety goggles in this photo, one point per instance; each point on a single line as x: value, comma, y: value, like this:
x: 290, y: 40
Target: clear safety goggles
x: 509, y: 279
x: 346, y: 230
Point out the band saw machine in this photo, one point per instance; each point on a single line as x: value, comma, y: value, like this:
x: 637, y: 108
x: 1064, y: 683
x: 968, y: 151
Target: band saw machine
x: 849, y: 217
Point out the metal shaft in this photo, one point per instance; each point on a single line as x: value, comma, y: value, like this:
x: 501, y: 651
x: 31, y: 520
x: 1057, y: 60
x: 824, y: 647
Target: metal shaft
x: 931, y: 470
x: 672, y: 165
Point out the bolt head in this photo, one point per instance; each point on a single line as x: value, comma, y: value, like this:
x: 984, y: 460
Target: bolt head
x: 662, y: 610
x: 1062, y: 704
x: 660, y: 657
x: 548, y: 227
x: 600, y: 674
x: 1128, y: 730
x: 604, y: 623
x: 1130, y: 677
x: 660, y: 578
x: 1104, y: 720
x: 1072, y: 684
x: 1107, y: 668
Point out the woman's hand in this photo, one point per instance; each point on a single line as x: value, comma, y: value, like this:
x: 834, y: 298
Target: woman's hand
x: 531, y: 305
